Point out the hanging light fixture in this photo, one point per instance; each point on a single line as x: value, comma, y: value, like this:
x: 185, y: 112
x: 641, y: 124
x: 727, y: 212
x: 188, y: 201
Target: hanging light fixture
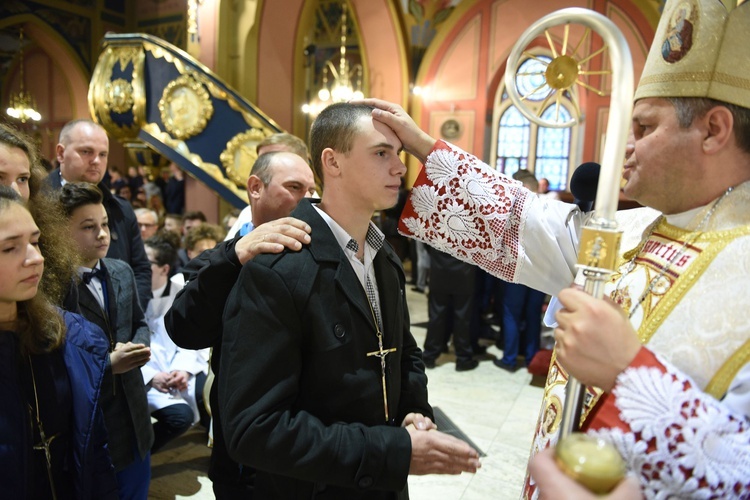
x: 346, y: 80
x: 22, y: 106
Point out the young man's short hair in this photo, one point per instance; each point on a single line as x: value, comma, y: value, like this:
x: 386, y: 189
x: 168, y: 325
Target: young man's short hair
x: 335, y: 128
x: 164, y: 250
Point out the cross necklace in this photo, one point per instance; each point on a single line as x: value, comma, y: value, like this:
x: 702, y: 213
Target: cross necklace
x: 44, y: 443
x: 380, y: 353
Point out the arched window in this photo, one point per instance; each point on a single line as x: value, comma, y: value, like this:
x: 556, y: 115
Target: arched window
x: 547, y: 152
x: 513, y: 142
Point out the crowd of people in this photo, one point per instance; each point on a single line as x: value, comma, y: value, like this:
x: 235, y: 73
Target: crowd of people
x: 93, y: 369
x: 163, y: 193
x: 112, y: 308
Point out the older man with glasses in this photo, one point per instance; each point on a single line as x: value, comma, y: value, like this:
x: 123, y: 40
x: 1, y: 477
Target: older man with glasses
x: 148, y: 222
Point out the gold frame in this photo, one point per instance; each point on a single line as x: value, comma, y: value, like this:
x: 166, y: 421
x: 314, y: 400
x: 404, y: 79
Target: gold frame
x: 120, y: 95
x: 185, y: 107
x: 451, y: 129
x: 211, y: 169
x: 240, y: 155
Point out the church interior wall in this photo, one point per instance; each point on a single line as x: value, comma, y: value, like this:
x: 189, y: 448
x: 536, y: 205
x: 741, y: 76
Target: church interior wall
x: 275, y: 72
x: 383, y: 45
x: 463, y: 69
x: 281, y: 71
x: 57, y: 77
x: 257, y: 47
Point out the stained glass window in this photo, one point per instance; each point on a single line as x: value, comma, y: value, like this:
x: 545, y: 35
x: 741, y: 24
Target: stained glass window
x: 530, y: 79
x: 553, y: 149
x: 513, y: 141
x: 522, y: 144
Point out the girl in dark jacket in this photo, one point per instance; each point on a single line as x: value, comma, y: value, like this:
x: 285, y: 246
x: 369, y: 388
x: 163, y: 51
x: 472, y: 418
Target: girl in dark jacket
x: 52, y: 436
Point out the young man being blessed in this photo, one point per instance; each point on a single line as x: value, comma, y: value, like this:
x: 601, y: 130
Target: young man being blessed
x: 322, y: 386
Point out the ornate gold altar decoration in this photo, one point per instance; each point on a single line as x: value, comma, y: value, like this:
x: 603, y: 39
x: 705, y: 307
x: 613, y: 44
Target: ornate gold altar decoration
x: 22, y: 105
x: 185, y: 107
x: 600, y: 239
x: 213, y: 170
x: 119, y: 94
x: 192, y: 18
x: 214, y: 90
x: 140, y: 153
x: 240, y: 155
x: 168, y: 109
x: 110, y: 94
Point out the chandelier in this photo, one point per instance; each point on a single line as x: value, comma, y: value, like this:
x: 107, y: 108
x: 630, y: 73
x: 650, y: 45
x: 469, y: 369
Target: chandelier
x: 22, y: 105
x: 341, y: 83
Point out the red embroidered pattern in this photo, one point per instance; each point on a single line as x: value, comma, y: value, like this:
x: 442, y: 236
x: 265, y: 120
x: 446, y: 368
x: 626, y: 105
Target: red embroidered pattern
x: 681, y: 443
x: 461, y: 206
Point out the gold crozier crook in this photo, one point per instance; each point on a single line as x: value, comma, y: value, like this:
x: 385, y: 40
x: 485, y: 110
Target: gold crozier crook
x: 600, y: 239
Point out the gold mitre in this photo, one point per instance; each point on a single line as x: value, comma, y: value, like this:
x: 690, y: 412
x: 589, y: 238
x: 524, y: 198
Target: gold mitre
x: 700, y: 50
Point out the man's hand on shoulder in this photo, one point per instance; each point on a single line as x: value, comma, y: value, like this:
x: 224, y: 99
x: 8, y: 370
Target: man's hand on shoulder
x: 273, y: 237
x: 434, y: 452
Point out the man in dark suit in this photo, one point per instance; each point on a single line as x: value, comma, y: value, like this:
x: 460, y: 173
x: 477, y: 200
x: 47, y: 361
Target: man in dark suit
x: 82, y: 154
x: 277, y: 182
x: 321, y: 385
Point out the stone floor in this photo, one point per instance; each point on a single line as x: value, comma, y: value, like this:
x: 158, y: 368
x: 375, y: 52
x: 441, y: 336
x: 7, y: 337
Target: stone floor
x: 496, y: 409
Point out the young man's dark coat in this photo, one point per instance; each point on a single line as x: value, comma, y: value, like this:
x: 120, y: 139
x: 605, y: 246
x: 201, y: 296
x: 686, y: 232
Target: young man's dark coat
x: 300, y: 399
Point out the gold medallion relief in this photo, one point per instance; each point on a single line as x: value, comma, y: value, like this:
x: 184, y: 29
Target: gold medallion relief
x: 118, y: 95
x: 240, y: 155
x: 185, y: 107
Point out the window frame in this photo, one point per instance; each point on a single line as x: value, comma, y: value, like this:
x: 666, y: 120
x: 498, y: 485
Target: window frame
x: 502, y: 103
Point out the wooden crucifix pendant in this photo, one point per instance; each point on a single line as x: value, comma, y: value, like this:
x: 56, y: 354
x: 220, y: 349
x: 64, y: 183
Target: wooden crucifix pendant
x: 382, y: 353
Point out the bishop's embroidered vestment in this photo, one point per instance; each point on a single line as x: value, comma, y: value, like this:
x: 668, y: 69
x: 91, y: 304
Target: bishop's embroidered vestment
x: 680, y: 414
